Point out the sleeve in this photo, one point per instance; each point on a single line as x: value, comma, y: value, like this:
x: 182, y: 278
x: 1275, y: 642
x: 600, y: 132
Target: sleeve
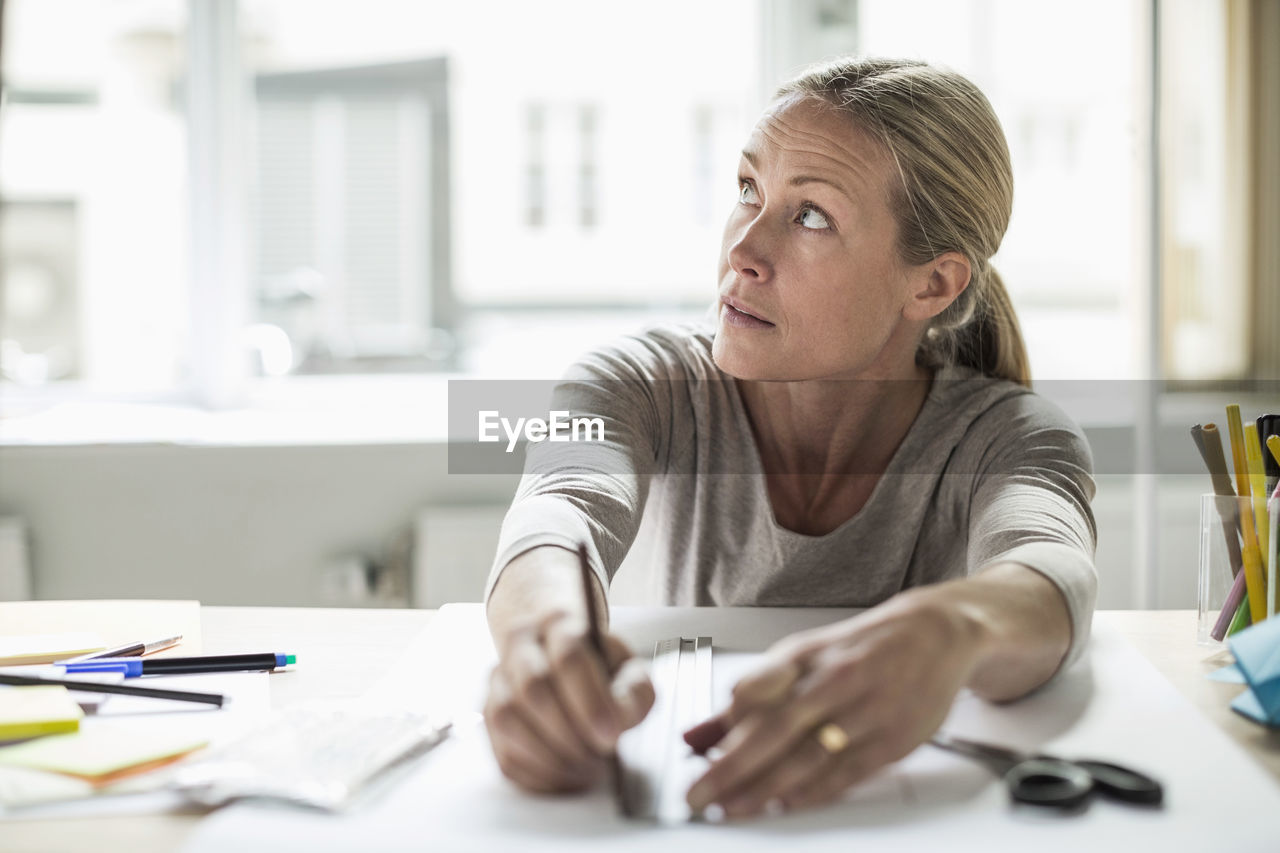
x: 1030, y: 505
x: 593, y: 492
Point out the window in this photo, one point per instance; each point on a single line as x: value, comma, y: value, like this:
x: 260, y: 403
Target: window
x: 351, y: 233
x: 94, y: 189
x: 1073, y: 257
x: 433, y: 186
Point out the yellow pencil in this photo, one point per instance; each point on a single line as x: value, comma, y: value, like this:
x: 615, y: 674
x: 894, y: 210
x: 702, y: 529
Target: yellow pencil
x: 1254, y: 580
x: 1273, y: 444
x: 1258, y: 489
x: 1235, y: 433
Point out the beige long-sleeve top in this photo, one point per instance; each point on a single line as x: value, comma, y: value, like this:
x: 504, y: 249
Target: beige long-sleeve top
x: 988, y: 472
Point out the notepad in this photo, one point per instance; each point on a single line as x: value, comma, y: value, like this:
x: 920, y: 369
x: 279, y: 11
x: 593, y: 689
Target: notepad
x: 103, y: 755
x: 27, y: 712
x: 25, y: 649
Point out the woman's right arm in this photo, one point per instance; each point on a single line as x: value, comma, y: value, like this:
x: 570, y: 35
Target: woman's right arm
x: 555, y: 709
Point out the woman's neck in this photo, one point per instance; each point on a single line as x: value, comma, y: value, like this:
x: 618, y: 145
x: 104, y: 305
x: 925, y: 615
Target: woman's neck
x: 833, y: 426
x: 825, y: 444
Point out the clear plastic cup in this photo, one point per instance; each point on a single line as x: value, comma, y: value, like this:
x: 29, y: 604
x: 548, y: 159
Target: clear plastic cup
x: 1219, y: 524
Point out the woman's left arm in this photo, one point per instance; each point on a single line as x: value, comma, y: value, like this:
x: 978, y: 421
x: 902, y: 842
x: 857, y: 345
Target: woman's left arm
x: 832, y: 705
x: 1021, y: 624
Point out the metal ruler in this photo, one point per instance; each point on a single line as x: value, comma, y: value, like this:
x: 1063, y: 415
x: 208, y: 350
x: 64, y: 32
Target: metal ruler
x: 658, y: 766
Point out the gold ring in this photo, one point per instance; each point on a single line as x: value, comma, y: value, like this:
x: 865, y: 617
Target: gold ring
x: 833, y: 738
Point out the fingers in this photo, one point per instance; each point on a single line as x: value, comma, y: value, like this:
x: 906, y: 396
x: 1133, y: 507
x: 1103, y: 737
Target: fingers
x: 765, y: 739
x: 854, y: 766
x: 534, y: 777
x: 529, y: 777
x: 583, y: 687
x: 767, y: 686
x: 553, y: 711
x: 809, y: 775
x: 633, y: 692
x: 616, y: 652
x: 524, y: 755
x: 527, y: 672
x: 804, y: 765
x: 706, y: 734
x: 770, y: 752
x: 752, y: 746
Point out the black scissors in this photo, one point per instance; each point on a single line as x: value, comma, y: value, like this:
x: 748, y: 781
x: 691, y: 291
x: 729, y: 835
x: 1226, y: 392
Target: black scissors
x: 1042, y: 780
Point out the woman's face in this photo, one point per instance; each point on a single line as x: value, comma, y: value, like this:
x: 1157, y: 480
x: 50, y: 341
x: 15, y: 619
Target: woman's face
x: 810, y: 282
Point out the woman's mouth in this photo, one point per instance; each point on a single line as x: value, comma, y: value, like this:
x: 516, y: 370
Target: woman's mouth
x: 742, y: 319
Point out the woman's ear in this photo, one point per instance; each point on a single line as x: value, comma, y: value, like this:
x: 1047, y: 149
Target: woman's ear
x: 946, y: 277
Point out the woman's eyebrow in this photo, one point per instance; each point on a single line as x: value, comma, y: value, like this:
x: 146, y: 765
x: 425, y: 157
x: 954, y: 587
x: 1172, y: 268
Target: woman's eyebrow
x: 799, y: 180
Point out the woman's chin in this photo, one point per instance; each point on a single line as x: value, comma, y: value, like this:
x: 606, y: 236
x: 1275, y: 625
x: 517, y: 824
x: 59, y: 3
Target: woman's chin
x: 742, y: 365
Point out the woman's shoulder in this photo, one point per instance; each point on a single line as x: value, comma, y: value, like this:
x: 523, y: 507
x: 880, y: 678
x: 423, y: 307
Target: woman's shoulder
x: 663, y: 351
x: 962, y: 387
x: 1002, y: 417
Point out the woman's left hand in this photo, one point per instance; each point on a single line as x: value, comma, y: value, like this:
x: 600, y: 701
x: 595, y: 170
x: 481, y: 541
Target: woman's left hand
x: 832, y: 705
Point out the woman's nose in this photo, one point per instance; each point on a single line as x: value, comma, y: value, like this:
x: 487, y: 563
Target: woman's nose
x: 748, y: 253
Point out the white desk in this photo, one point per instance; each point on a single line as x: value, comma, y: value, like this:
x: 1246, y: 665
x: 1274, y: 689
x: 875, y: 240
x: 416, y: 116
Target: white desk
x: 343, y: 652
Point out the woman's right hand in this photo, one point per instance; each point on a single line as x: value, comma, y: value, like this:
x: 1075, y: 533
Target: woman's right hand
x: 555, y: 709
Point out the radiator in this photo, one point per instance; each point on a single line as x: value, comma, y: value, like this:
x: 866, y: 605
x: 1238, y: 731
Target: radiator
x: 15, y: 567
x: 454, y: 547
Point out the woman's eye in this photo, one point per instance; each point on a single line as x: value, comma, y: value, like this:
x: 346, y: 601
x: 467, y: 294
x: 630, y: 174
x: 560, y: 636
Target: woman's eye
x: 747, y: 193
x: 813, y: 218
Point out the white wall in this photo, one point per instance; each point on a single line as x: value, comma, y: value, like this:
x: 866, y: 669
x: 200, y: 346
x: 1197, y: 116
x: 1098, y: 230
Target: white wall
x: 256, y: 525
x: 272, y: 525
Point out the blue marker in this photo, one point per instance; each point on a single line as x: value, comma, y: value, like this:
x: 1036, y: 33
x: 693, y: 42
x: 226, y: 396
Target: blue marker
x: 128, y: 668
x: 133, y: 667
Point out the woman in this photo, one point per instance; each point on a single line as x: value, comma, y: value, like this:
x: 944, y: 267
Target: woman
x: 866, y: 370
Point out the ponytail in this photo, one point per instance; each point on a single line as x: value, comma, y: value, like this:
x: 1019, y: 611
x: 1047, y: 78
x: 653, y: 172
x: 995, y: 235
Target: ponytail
x: 979, y: 329
x: 992, y: 341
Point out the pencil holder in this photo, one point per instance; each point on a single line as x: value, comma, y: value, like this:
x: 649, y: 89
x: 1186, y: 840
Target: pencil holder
x: 1222, y: 559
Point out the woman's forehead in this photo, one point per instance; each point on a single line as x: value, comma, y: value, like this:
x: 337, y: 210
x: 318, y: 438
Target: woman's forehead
x: 806, y: 134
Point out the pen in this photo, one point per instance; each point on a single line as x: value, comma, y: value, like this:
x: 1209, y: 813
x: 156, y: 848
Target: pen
x: 121, y: 689
x: 597, y: 643
x: 1268, y: 426
x: 133, y: 668
x: 127, y: 650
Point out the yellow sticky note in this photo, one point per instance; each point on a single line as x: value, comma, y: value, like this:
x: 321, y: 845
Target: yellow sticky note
x: 31, y: 711
x: 101, y: 751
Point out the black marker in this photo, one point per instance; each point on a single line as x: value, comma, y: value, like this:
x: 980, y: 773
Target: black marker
x: 121, y: 689
x: 133, y: 667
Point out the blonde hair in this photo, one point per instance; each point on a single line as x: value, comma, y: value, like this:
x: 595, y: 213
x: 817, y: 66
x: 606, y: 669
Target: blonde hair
x: 955, y: 193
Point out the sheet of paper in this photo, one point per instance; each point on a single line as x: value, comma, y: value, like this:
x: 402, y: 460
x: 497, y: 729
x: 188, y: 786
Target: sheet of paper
x: 115, y: 622
x: 28, y: 649
x: 1113, y: 705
